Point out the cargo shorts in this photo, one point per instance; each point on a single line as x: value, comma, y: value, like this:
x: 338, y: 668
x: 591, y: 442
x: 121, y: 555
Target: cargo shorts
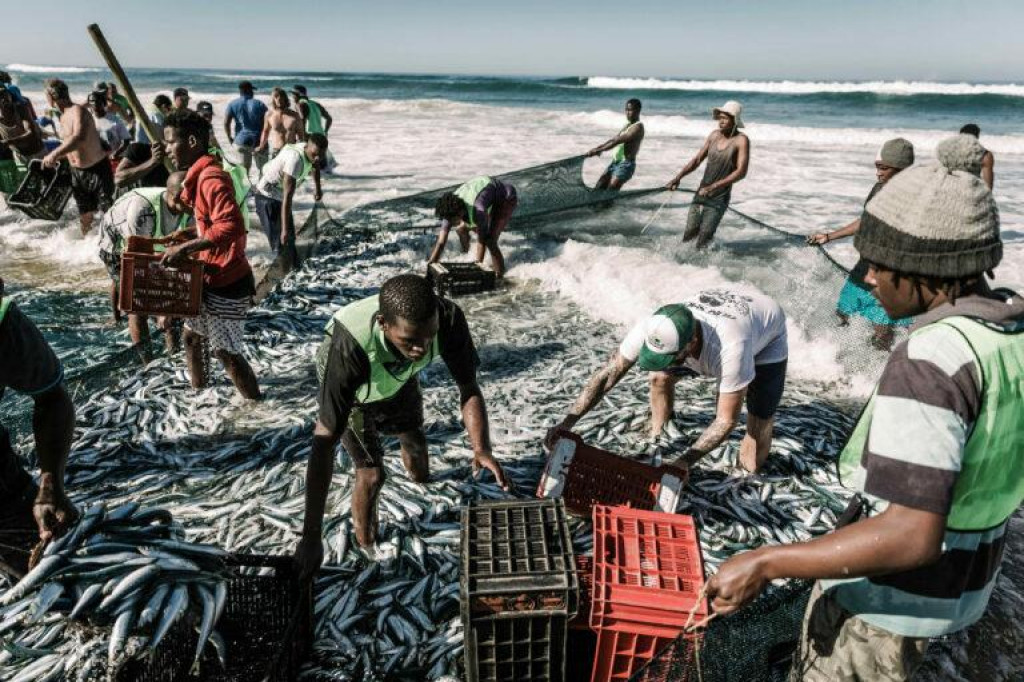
x: 837, y: 646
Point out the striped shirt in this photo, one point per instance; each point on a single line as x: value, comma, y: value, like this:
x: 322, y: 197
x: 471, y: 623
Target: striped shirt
x: 926, y: 404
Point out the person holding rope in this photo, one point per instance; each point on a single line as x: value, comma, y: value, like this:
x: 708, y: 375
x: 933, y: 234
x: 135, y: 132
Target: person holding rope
x: 728, y: 155
x: 626, y: 145
x: 855, y: 297
x: 935, y: 458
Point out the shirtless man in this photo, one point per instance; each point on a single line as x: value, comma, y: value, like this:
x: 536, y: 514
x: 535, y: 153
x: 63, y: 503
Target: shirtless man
x: 282, y: 126
x: 626, y: 145
x: 21, y: 135
x: 92, y: 178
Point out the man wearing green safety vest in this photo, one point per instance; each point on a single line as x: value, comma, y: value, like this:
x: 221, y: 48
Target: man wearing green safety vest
x: 275, y: 192
x: 316, y: 117
x: 937, y: 455
x: 367, y: 366
x: 626, y: 145
x: 142, y: 212
x: 484, y: 204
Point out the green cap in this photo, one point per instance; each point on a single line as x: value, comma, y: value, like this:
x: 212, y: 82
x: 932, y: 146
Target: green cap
x: 665, y: 334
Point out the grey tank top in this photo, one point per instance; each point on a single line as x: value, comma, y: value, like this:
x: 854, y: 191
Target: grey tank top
x: 720, y: 164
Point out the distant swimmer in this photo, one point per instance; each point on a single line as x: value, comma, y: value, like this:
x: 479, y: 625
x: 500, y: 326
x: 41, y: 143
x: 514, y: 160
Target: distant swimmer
x: 18, y: 133
x: 484, y: 204
x: 143, y: 212
x: 988, y: 165
x: 92, y: 178
x: 282, y: 126
x: 314, y: 116
x: 856, y: 298
x: 740, y: 339
x: 626, y: 145
x: 728, y: 153
x: 248, y: 114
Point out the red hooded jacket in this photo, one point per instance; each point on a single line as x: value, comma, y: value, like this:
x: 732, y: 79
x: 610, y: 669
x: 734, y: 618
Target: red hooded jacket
x: 208, y: 190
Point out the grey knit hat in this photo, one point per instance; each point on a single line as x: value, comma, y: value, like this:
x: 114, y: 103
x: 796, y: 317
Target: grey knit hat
x: 935, y: 220
x: 963, y: 151
x: 898, y: 153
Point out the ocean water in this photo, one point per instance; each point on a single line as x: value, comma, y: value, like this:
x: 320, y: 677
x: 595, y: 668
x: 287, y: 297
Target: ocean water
x: 813, y: 147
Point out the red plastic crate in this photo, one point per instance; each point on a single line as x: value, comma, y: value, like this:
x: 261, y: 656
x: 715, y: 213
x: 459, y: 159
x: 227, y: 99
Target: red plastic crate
x: 149, y: 288
x: 585, y: 570
x: 585, y: 476
x: 648, y: 571
x: 621, y: 654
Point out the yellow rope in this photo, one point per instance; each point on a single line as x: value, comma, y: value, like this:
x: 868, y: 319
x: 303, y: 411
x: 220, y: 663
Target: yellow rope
x: 691, y: 627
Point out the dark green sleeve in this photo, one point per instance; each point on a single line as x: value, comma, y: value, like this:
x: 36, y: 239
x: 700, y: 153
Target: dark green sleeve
x: 347, y: 368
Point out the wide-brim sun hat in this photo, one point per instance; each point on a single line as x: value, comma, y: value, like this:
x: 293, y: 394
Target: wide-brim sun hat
x: 733, y: 108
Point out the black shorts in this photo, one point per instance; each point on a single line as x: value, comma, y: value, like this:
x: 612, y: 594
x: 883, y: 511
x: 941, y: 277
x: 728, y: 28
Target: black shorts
x: 93, y: 187
x: 765, y: 392
x: 400, y: 414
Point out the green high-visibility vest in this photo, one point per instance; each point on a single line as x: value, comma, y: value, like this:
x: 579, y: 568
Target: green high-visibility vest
x: 155, y: 195
x: 4, y: 305
x: 468, y: 192
x: 239, y: 181
x: 990, y: 485
x: 314, y: 121
x: 389, y: 372
x: 620, y: 151
x: 307, y: 165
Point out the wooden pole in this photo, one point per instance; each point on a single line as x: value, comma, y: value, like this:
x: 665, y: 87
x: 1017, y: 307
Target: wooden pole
x: 126, y: 87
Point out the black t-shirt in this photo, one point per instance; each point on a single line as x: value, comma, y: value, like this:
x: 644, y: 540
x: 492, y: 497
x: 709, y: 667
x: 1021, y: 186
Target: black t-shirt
x: 138, y: 154
x: 348, y: 366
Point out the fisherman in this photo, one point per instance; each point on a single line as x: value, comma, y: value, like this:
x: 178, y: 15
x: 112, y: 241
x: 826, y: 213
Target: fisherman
x: 117, y: 103
x: 855, y: 297
x: 936, y: 454
x: 161, y: 109
x: 92, y: 179
x: 181, y: 99
x: 29, y: 366
x: 626, y: 145
x: 205, y: 109
x: 142, y: 165
x: 484, y: 204
x: 143, y: 212
x: 23, y: 103
x: 367, y: 366
x: 275, y: 192
x: 19, y: 134
x: 248, y: 114
x: 740, y: 339
x: 281, y: 126
x: 219, y: 241
x: 112, y: 130
x: 988, y: 165
x: 314, y: 115
x: 728, y: 153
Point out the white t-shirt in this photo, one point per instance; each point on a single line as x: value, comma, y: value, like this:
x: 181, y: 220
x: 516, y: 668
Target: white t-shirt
x: 131, y: 215
x: 740, y: 331
x: 288, y: 161
x: 112, y: 131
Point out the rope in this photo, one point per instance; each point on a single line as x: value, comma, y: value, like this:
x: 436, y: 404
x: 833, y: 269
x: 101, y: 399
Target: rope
x: 690, y: 627
x: 656, y: 212
x: 791, y: 235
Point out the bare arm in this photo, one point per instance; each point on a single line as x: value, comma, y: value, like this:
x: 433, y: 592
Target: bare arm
x: 73, y: 141
x: 899, y: 539
x: 228, y: 117
x: 694, y: 163
x: 287, y: 194
x: 28, y: 129
x: 310, y: 551
x: 128, y: 172
x: 442, y: 241
x: 603, y: 381
x: 327, y: 119
x: 988, y: 163
x: 318, y: 192
x: 53, y: 423
x: 825, y: 237
x: 726, y: 416
x: 742, y: 163
x: 474, y: 415
x: 622, y: 138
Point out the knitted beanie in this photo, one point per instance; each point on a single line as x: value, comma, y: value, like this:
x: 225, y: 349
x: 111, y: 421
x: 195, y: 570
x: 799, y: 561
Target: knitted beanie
x: 963, y: 151
x: 935, y: 220
x: 898, y: 153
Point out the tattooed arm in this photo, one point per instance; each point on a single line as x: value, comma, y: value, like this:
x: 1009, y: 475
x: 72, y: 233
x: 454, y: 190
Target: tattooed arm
x: 728, y: 413
x: 603, y: 381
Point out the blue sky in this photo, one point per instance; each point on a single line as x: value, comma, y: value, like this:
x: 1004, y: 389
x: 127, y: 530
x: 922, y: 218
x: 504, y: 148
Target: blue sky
x: 856, y: 39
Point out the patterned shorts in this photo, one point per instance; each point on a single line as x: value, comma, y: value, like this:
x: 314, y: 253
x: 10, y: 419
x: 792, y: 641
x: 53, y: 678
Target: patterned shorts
x: 222, y: 322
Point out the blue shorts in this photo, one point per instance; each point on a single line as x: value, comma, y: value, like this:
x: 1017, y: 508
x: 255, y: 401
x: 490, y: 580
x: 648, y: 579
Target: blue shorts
x: 854, y: 300
x: 621, y: 170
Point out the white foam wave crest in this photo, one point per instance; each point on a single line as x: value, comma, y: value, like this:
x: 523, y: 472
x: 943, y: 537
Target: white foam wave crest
x: 924, y: 140
x: 622, y: 285
x: 37, y: 68
x: 281, y: 77
x: 809, y: 87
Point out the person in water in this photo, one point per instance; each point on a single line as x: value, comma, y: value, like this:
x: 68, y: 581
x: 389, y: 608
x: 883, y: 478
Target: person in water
x: 626, y: 145
x: 739, y: 339
x: 484, y: 204
x: 727, y: 151
x: 367, y: 365
x: 248, y: 114
x: 19, y: 134
x: 936, y: 455
x: 282, y: 126
x: 988, y: 165
x: 855, y: 297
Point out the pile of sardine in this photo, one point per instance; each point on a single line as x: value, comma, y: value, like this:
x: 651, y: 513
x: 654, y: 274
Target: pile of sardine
x: 115, y: 584
x: 232, y: 472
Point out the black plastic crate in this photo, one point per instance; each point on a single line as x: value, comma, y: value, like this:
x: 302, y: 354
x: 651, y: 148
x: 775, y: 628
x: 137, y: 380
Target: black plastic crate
x: 44, y: 192
x: 256, y: 616
x: 523, y: 649
x: 10, y: 176
x: 459, y: 279
x: 517, y: 557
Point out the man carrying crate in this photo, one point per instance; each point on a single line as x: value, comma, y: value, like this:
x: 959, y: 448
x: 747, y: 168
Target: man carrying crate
x: 367, y: 365
x: 142, y: 212
x: 219, y: 241
x: 740, y: 339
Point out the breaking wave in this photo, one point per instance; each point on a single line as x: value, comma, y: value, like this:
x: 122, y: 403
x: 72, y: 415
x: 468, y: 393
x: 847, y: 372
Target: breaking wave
x: 37, y: 68
x: 809, y: 87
